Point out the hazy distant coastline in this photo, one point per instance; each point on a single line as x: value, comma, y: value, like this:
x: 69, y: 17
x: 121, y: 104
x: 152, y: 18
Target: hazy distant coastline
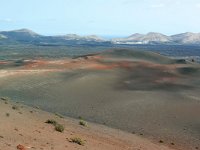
x: 28, y: 36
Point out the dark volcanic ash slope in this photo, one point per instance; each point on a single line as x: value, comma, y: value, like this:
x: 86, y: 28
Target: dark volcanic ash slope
x: 136, y: 91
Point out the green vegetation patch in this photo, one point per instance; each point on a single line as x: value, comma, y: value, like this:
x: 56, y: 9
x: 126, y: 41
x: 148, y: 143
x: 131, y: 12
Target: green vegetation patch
x: 15, y: 107
x: 58, y: 127
x: 51, y: 121
x: 83, y: 123
x: 77, y: 140
x: 59, y: 115
x: 4, y: 98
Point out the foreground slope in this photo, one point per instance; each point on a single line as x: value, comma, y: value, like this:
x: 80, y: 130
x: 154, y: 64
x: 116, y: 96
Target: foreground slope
x: 25, y: 128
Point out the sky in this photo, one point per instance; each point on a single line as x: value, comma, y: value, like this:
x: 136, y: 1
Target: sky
x: 101, y: 17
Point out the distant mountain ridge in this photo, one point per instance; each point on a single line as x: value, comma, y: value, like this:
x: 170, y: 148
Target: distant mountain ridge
x: 143, y: 39
x: 21, y: 34
x: 187, y: 38
x: 28, y: 36
x: 77, y: 37
x: 158, y: 38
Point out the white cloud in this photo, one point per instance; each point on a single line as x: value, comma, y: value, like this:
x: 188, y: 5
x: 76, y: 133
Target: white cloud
x: 157, y: 5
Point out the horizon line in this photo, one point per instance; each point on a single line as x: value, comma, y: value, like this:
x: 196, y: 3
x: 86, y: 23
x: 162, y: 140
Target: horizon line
x: 101, y: 35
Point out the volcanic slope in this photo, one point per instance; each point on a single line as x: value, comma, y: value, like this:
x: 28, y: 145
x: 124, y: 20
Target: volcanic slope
x: 136, y: 91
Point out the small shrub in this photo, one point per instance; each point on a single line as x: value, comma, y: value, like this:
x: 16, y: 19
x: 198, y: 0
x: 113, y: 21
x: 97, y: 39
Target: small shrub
x: 15, y: 107
x: 77, y: 141
x: 51, y: 121
x: 59, y: 115
x: 161, y: 141
x: 59, y: 128
x: 4, y: 98
x: 83, y: 123
x: 7, y: 114
x: 133, y: 132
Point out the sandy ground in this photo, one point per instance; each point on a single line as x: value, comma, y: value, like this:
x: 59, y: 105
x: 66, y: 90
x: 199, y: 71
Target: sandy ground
x: 26, y: 126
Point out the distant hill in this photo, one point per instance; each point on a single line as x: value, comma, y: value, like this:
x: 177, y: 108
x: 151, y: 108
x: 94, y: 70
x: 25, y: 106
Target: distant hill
x: 149, y: 38
x: 187, y: 38
x: 30, y: 37
x: 158, y: 38
x: 20, y: 35
x: 85, y: 38
x: 132, y: 54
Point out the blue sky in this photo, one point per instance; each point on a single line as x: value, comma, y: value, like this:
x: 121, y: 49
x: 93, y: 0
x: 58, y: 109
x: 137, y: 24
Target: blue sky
x: 101, y: 17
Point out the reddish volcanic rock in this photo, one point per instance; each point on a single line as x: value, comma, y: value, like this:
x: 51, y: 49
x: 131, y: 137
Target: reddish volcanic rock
x: 21, y: 147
